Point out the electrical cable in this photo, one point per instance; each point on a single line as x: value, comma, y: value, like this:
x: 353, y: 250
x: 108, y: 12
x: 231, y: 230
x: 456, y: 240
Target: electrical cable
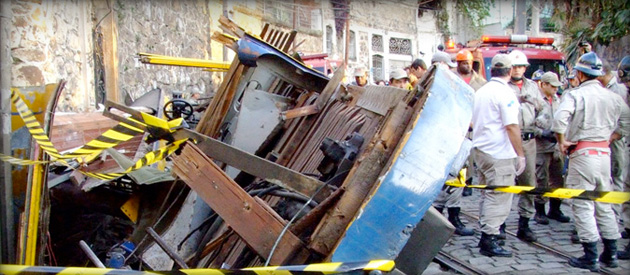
x: 286, y: 227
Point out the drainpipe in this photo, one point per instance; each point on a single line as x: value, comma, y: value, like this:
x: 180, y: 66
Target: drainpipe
x: 7, y: 231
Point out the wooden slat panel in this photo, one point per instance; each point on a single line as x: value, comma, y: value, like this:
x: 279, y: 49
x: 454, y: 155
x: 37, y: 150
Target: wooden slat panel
x: 244, y: 214
x: 287, y: 45
x: 359, y: 182
x: 255, y: 165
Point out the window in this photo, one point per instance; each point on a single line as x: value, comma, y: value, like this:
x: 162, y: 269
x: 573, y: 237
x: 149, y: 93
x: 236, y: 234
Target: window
x: 377, y: 43
x: 377, y: 67
x: 400, y: 46
x: 283, y: 13
x: 329, y: 40
x: 352, y: 52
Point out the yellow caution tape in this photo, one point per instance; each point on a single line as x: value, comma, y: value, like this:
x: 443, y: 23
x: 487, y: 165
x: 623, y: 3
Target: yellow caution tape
x: 33, y: 126
x: 460, y: 181
x: 19, y: 161
x: 322, y: 268
x: 562, y: 193
x: 110, y: 138
x: 148, y: 159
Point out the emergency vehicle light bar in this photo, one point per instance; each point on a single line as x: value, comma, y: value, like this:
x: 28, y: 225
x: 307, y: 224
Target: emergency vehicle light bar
x: 518, y: 39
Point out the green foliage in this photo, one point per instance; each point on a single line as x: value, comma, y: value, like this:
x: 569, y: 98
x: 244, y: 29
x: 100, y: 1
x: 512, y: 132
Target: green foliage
x: 615, y: 21
x: 596, y: 22
x: 476, y: 11
x: 442, y: 23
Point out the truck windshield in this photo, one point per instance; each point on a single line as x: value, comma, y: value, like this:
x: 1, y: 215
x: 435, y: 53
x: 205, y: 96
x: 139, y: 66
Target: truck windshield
x: 556, y: 66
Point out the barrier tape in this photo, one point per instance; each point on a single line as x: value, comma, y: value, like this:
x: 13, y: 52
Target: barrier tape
x: 19, y: 161
x: 33, y: 126
x: 561, y: 193
x: 322, y: 268
x: 120, y: 133
x: 123, y: 131
x: 148, y: 159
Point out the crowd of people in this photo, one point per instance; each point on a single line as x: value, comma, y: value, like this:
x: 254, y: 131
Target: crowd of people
x: 523, y: 132
x: 544, y: 133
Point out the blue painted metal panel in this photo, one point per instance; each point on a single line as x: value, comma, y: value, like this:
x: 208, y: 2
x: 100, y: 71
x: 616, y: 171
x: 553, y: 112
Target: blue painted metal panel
x: 406, y: 191
x: 251, y: 48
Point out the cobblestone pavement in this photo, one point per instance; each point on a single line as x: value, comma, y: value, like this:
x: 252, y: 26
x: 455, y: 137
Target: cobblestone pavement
x: 527, y: 259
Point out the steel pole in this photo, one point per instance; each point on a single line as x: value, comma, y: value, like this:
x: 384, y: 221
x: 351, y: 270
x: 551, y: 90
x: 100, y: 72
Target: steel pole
x: 7, y: 230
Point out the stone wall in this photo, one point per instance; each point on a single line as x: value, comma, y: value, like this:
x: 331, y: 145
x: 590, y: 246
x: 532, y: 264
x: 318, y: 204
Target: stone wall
x: 166, y: 27
x: 51, y: 40
x: 615, y: 51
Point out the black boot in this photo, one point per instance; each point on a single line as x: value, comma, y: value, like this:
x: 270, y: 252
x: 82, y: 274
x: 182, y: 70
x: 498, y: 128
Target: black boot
x: 574, y: 237
x: 502, y: 234
x: 488, y: 246
x: 589, y: 260
x: 439, y: 209
x: 467, y: 192
x: 540, y: 217
x: 625, y: 254
x: 555, y: 213
x: 609, y: 256
x: 460, y: 228
x: 524, y: 233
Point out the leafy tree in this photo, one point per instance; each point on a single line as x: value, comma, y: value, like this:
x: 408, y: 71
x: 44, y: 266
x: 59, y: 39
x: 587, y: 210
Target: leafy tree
x: 598, y: 22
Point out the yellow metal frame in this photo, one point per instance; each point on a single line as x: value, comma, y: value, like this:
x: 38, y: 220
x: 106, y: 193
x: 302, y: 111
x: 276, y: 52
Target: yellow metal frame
x: 157, y: 59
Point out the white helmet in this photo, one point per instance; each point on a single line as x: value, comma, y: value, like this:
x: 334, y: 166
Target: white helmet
x: 518, y: 58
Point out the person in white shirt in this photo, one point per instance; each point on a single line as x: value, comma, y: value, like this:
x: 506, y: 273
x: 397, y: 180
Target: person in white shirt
x: 497, y: 150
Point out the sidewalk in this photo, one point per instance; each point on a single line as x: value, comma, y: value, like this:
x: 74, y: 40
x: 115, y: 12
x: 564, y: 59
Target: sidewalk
x: 527, y: 259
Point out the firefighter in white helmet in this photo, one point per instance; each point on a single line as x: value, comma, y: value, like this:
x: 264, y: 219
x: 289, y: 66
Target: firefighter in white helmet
x: 532, y: 106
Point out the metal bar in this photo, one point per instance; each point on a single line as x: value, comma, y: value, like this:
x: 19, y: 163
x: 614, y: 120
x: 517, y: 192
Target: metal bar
x: 7, y: 230
x: 95, y: 260
x: 456, y: 264
x: 176, y: 258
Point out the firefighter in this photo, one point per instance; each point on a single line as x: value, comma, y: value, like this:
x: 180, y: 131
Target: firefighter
x: 465, y: 71
x: 549, y: 162
x: 591, y: 116
x: 623, y: 71
x: 532, y: 105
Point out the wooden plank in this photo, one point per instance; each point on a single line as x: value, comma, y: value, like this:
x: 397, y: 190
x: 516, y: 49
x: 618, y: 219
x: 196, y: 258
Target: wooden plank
x: 110, y: 52
x: 264, y: 30
x: 359, y: 182
x: 300, y: 112
x: 251, y: 221
x: 289, y: 41
x: 203, y: 126
x: 257, y: 166
x: 321, y: 101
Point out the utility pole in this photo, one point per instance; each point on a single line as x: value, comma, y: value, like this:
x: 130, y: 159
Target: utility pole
x: 520, y: 17
x: 535, y: 27
x: 347, y: 34
x: 7, y: 230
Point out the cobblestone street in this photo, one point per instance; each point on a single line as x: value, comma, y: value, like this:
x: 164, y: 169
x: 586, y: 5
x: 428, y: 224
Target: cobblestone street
x: 528, y: 258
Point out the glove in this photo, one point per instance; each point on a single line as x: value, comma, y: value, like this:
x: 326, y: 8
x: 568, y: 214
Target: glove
x: 520, y: 165
x: 548, y: 135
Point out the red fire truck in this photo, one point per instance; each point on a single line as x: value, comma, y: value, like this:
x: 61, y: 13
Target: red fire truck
x: 540, y: 52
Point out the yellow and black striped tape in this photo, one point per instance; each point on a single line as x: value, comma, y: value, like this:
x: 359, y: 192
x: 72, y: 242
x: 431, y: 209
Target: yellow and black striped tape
x: 561, y: 193
x: 148, y: 159
x: 19, y: 161
x: 33, y: 126
x: 110, y: 138
x: 322, y: 268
